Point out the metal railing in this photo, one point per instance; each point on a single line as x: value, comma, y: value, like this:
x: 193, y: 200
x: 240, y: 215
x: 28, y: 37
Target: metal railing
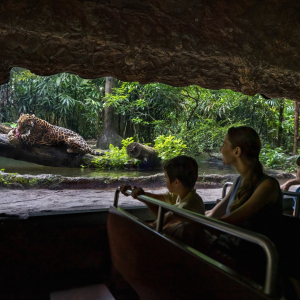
x: 225, y: 186
x: 297, y: 195
x: 263, y: 241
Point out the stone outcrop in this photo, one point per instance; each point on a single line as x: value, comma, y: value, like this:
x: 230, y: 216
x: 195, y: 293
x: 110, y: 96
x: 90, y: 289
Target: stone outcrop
x: 247, y: 46
x: 58, y: 182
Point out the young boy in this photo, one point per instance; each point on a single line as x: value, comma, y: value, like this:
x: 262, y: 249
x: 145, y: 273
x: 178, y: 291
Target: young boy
x: 181, y: 174
x: 294, y: 181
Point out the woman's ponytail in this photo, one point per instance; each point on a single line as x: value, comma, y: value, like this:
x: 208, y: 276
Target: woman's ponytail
x: 248, y: 140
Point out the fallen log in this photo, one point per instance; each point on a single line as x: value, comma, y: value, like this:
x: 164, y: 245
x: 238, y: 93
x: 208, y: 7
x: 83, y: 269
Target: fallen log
x: 4, y: 128
x: 146, y: 154
x: 44, y: 155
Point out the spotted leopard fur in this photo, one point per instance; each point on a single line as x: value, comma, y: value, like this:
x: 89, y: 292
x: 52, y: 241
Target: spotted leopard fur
x: 32, y: 131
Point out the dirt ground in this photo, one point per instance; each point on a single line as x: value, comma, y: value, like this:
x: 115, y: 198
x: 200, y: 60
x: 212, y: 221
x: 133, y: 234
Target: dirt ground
x: 31, y: 202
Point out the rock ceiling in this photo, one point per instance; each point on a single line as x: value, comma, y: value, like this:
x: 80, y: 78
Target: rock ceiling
x: 247, y: 46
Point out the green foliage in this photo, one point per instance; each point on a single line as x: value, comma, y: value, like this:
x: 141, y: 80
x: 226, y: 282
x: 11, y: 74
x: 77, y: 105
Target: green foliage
x: 152, y: 109
x: 7, y: 178
x: 64, y: 99
x: 12, y: 125
x: 169, y: 147
x: 116, y: 158
x: 3, y: 180
x: 196, y: 116
x: 277, y: 159
x: 205, y: 136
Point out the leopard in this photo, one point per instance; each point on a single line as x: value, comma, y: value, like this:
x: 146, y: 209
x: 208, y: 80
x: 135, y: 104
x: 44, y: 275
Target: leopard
x: 32, y: 131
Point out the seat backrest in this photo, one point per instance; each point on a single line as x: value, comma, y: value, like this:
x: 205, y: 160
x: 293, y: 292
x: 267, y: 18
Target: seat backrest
x: 287, y: 242
x: 158, y: 267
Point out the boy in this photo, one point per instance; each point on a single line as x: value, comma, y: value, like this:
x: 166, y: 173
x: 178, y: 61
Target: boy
x: 293, y: 181
x: 181, y: 174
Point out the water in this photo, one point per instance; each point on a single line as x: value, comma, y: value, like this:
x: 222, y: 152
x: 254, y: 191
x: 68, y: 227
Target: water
x: 22, y: 167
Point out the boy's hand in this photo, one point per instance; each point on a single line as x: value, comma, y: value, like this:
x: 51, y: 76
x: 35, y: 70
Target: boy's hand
x: 137, y: 192
x: 125, y: 188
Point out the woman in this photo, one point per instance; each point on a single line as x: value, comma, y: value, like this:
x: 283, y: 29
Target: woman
x: 255, y: 200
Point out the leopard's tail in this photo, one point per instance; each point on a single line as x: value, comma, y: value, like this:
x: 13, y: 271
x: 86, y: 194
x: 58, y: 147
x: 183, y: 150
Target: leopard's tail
x: 94, y: 152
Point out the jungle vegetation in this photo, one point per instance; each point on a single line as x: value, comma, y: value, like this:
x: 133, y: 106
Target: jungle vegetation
x: 154, y: 113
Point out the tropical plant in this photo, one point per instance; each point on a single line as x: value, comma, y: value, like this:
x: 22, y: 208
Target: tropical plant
x: 277, y: 159
x: 115, y: 158
x: 63, y: 99
x: 198, y: 117
x: 169, y: 147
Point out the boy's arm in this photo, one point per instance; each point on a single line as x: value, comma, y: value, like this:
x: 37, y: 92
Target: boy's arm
x: 139, y: 191
x: 154, y: 208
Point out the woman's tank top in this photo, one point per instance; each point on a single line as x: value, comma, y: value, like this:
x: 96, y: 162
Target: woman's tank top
x: 262, y: 222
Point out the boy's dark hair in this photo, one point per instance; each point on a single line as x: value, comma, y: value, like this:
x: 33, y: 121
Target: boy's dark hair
x: 184, y: 168
x: 298, y: 161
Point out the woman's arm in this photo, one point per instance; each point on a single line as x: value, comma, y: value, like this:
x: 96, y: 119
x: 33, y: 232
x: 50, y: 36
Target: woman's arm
x: 220, y: 209
x: 291, y: 182
x: 266, y: 193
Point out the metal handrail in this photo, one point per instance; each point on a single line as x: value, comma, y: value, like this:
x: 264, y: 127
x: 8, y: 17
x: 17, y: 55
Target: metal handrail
x: 261, y: 240
x: 225, y: 186
x: 297, y: 206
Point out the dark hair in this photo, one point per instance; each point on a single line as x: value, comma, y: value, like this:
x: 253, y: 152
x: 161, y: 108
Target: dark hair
x: 298, y: 161
x: 184, y: 168
x: 248, y: 140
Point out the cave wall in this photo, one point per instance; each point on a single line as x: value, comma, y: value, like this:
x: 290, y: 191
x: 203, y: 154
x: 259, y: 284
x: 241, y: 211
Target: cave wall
x: 247, y: 46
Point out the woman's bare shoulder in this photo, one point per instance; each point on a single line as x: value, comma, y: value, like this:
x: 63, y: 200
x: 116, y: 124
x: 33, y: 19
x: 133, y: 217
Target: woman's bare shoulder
x: 270, y: 181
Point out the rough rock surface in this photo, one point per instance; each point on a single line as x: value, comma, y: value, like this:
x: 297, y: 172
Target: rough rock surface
x: 32, y: 202
x: 52, y: 194
x: 58, y: 182
x: 248, y: 46
x: 24, y: 203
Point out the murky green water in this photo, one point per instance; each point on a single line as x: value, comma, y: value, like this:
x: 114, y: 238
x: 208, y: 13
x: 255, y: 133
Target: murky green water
x: 22, y: 167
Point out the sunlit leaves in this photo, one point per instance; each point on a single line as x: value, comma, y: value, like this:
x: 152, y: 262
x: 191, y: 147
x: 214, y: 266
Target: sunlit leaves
x: 116, y: 157
x: 169, y: 147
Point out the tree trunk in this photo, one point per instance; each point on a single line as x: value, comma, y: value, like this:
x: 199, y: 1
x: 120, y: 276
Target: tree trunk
x: 108, y: 135
x: 296, y: 128
x: 280, y: 120
x: 147, y: 155
x: 44, y: 155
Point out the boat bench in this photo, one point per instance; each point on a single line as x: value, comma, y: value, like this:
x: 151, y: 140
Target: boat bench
x: 158, y: 266
x: 92, y: 292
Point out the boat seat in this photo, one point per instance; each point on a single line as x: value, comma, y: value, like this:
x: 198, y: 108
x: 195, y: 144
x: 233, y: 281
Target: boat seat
x: 159, y: 267
x: 91, y: 292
